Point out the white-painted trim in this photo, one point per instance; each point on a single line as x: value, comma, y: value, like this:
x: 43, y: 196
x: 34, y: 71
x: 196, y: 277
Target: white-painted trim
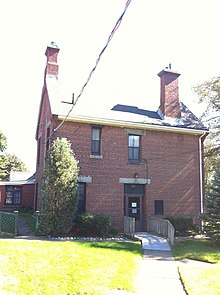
x: 96, y: 156
x: 17, y: 182
x: 201, y: 176
x: 134, y: 180
x: 128, y: 124
x: 87, y: 179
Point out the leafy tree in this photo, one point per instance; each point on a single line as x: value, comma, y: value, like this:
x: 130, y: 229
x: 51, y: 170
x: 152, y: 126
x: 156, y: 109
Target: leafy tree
x: 3, y: 142
x: 209, y: 94
x: 59, y: 185
x: 8, y: 162
x: 212, y: 206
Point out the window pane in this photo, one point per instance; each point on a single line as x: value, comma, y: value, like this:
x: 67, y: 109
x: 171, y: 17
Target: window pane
x: 9, y: 188
x: 80, y: 191
x: 136, y: 153
x: 81, y: 197
x: 134, y: 148
x: 95, y: 147
x: 96, y: 139
x: 13, y: 195
x: 134, y: 140
x: 95, y: 133
x: 133, y: 154
x: 158, y: 207
x: 8, y: 198
x: 17, y: 197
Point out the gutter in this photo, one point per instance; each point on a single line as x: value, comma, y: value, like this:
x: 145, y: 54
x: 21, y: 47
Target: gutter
x: 201, y: 172
x: 128, y: 124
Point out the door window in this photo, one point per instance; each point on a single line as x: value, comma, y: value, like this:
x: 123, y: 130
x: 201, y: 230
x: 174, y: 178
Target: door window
x: 134, y: 207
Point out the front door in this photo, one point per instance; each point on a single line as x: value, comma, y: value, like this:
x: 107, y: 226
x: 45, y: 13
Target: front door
x: 134, y: 204
x: 134, y: 210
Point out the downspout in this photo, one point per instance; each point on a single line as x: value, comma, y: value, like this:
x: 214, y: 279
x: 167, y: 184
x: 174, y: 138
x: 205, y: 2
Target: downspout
x: 201, y: 174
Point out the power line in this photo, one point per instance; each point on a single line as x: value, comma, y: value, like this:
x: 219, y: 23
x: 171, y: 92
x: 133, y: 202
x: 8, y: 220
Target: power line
x: 96, y: 64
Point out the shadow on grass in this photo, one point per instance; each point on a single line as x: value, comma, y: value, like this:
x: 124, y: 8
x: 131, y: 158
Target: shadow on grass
x: 118, y: 246
x: 201, y: 250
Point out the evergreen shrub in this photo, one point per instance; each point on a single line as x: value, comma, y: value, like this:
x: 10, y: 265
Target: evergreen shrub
x: 183, y: 225
x: 93, y: 224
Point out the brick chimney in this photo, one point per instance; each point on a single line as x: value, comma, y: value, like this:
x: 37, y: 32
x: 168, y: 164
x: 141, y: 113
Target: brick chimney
x: 51, y: 54
x: 169, y: 95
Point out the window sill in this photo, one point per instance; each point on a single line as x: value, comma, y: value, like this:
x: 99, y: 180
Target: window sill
x: 96, y: 156
x: 135, y: 163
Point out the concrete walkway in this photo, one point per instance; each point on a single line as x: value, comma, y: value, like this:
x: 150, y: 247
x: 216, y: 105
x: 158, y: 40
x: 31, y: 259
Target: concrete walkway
x: 23, y: 228
x: 159, y: 270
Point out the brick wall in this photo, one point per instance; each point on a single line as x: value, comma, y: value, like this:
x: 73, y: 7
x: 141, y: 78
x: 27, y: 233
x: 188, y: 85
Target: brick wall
x: 2, y: 195
x: 172, y: 166
x: 45, y: 120
x: 28, y: 195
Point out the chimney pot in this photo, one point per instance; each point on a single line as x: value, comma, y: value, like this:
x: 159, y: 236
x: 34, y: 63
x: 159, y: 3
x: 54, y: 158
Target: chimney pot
x: 52, y: 54
x: 169, y: 94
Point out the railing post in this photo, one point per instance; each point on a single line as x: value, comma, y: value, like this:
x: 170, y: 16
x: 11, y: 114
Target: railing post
x: 162, y: 227
x: 16, y: 219
x: 37, y: 224
x: 129, y: 225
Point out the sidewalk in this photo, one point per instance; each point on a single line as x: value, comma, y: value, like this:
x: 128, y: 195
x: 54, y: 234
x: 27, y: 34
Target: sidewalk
x: 159, y: 270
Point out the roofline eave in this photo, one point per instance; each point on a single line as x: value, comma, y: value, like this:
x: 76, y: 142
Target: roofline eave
x: 129, y: 124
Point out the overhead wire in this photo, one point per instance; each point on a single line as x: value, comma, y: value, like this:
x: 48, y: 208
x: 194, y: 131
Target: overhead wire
x: 117, y: 24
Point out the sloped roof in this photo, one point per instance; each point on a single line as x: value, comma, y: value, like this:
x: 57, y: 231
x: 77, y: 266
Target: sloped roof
x: 21, y: 181
x: 106, y: 110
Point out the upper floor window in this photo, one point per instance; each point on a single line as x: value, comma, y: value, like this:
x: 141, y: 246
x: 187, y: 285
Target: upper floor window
x: 96, y: 141
x: 13, y: 195
x: 133, y: 148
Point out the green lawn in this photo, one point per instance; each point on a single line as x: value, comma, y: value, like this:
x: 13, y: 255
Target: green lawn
x: 199, y: 280
x: 74, y: 268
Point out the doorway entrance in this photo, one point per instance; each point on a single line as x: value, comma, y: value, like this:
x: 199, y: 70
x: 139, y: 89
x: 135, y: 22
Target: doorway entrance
x: 134, y: 195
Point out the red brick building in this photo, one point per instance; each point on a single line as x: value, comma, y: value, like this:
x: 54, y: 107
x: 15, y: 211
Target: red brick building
x: 17, y: 192
x: 133, y: 162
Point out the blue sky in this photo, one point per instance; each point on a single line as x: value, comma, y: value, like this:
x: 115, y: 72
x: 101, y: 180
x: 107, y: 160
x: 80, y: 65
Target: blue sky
x: 152, y: 35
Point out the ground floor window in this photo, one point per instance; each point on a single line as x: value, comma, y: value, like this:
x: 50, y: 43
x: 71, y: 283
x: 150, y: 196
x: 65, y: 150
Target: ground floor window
x: 13, y: 195
x: 158, y: 207
x: 81, y: 198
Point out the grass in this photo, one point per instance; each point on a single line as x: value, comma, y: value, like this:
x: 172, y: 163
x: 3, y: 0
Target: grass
x: 202, y: 280
x: 202, y: 250
x: 74, y: 268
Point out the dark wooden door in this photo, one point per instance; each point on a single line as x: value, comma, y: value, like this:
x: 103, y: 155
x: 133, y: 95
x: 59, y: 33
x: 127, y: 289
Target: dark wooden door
x: 134, y: 209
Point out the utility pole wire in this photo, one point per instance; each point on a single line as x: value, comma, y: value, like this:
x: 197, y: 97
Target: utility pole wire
x: 94, y: 68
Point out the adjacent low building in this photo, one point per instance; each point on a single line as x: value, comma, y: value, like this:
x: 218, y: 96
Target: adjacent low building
x: 17, y: 192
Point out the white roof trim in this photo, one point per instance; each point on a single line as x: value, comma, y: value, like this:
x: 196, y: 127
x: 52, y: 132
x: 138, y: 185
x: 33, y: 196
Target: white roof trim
x: 128, y: 124
x: 18, y: 182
